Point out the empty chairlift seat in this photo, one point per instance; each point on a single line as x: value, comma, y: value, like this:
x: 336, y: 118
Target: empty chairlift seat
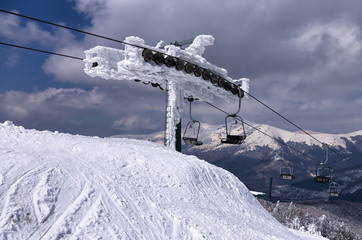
x: 286, y: 172
x: 192, y: 130
x: 334, y: 189
x: 323, y: 173
x: 234, y: 126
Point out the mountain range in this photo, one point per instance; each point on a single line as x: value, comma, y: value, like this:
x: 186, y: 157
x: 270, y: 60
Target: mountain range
x: 262, y: 155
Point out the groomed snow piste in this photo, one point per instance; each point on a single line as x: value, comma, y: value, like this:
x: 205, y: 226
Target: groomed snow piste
x: 55, y: 185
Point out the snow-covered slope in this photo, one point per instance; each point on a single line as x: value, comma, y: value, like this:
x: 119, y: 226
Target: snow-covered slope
x: 56, y: 185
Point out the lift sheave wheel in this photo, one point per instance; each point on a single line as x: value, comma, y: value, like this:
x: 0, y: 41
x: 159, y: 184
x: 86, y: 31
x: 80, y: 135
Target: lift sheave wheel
x: 198, y: 71
x: 189, y: 68
x: 147, y: 55
x: 228, y: 86
x: 170, y: 61
x: 206, y: 74
x: 214, y: 79
x: 159, y: 58
x: 221, y: 82
x: 180, y: 64
x: 235, y: 89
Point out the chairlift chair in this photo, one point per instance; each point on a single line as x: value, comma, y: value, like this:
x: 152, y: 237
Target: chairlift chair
x: 334, y: 189
x: 323, y: 173
x: 231, y: 122
x: 192, y: 130
x: 230, y: 126
x: 286, y: 172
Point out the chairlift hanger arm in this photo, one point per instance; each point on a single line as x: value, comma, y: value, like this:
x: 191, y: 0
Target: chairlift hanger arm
x: 190, y: 101
x: 181, y: 43
x: 326, y: 146
x: 239, y: 107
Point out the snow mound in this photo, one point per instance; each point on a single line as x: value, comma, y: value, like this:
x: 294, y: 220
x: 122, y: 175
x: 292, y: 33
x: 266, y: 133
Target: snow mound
x: 55, y: 185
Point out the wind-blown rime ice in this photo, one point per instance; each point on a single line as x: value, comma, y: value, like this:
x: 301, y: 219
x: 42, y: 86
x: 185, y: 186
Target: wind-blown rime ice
x: 128, y: 64
x: 74, y: 187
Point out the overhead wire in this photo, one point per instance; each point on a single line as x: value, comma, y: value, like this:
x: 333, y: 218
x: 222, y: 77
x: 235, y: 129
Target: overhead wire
x: 305, y: 132
x: 343, y: 159
x: 42, y: 51
x: 134, y: 45
x: 281, y: 142
x: 69, y: 28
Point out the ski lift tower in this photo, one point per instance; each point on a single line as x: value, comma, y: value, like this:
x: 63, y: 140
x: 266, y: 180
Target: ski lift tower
x: 184, y: 73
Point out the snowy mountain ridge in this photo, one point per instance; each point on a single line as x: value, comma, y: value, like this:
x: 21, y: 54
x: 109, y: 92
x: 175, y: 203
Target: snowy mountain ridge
x: 211, y: 135
x: 56, y: 185
x: 259, y: 157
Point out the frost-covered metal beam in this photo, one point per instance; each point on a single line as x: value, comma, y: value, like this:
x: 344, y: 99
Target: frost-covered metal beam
x: 129, y: 64
x: 183, y: 72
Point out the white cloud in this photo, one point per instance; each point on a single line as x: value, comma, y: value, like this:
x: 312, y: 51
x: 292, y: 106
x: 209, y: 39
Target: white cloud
x: 50, y: 101
x: 14, y: 29
x: 67, y: 69
x: 343, y: 37
x: 130, y: 123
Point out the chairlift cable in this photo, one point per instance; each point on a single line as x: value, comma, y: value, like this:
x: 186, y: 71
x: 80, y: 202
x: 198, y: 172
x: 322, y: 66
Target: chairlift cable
x: 279, y: 140
x: 77, y: 30
x: 42, y: 51
x: 295, y: 125
x: 69, y: 28
x: 265, y: 133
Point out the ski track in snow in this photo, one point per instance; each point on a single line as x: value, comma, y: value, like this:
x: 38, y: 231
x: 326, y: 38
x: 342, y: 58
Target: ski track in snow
x: 59, y: 186
x: 45, y: 196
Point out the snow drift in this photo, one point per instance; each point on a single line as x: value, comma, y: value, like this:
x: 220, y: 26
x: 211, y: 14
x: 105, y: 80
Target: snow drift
x: 55, y: 185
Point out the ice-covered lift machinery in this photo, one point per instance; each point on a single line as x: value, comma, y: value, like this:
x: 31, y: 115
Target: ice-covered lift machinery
x: 184, y: 73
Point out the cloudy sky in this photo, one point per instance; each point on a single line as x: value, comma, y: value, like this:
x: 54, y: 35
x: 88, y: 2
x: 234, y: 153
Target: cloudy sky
x: 303, y: 58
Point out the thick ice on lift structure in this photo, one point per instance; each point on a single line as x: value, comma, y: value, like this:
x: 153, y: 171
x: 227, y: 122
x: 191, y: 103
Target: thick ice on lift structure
x: 184, y: 73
